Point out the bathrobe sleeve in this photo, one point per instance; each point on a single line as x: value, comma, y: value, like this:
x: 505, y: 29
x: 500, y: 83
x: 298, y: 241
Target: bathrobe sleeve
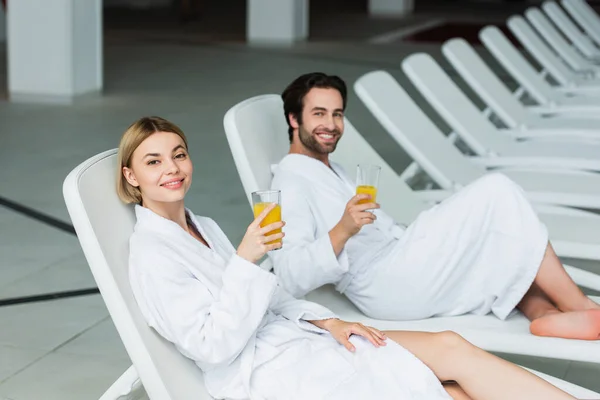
x: 299, y: 311
x: 210, y: 328
x: 305, y: 262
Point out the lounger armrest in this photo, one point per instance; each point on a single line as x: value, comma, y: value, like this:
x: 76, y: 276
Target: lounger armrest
x: 433, y: 196
x: 561, y: 210
x: 544, y: 109
x: 500, y: 162
x: 573, y: 89
x: 584, y: 111
x: 536, y: 163
x: 545, y: 164
x: 562, y: 135
x: 547, y: 169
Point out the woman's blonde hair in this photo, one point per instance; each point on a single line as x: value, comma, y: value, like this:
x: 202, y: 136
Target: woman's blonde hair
x: 139, y: 131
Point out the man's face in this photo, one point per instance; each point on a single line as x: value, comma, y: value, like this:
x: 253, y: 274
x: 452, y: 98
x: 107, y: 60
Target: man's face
x: 322, y: 121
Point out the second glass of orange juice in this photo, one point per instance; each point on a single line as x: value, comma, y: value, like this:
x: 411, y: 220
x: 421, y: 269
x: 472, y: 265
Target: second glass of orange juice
x: 367, y: 180
x: 261, y: 200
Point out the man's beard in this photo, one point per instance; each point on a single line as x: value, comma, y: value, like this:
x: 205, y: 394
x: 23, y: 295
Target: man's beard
x: 309, y: 140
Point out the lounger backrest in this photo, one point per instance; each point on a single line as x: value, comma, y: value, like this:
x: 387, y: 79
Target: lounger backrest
x: 517, y: 65
x: 103, y: 225
x: 414, y: 131
x: 257, y: 134
x: 539, y: 50
x: 256, y: 131
x: 570, y: 29
x: 485, y: 83
x: 556, y: 40
x: 585, y: 16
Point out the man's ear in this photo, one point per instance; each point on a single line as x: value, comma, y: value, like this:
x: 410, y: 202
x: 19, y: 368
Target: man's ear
x: 130, y: 177
x: 294, y: 121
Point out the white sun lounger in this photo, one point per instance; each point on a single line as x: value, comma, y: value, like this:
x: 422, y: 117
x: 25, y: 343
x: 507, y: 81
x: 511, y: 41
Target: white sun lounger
x: 567, y: 231
x: 571, y: 56
x: 549, y: 60
x: 561, y: 187
x: 585, y: 16
x: 488, y: 332
x: 450, y: 168
x: 493, y: 148
x: 103, y: 225
x: 566, y: 25
x: 550, y: 98
x: 524, y: 123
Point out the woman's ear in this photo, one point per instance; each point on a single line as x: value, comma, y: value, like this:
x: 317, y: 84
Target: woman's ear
x: 130, y: 177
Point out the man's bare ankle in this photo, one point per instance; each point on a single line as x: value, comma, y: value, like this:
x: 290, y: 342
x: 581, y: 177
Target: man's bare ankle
x: 592, y: 305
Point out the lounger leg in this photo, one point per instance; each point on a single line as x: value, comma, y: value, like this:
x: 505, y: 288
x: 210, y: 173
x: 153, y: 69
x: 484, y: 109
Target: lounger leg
x: 124, y: 387
x: 574, y: 390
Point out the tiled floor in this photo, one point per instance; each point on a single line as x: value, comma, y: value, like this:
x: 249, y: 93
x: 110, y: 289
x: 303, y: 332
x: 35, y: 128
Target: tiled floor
x: 68, y: 348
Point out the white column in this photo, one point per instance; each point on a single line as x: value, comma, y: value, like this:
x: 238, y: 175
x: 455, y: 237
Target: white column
x: 392, y: 8
x: 276, y: 22
x: 54, y: 49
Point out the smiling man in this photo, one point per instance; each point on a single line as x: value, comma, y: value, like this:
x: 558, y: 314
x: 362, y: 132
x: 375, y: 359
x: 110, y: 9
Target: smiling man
x: 482, y: 250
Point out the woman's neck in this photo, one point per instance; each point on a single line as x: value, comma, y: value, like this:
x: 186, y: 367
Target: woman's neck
x: 172, y: 211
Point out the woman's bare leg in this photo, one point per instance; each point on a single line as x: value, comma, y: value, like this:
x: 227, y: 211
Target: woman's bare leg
x: 455, y: 391
x: 480, y: 374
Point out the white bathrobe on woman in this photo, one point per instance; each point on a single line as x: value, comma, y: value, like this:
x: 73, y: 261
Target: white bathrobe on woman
x: 248, y: 335
x: 476, y: 252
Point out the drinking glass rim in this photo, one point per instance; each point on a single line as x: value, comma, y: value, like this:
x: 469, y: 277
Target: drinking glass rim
x: 259, y: 192
x: 369, y: 165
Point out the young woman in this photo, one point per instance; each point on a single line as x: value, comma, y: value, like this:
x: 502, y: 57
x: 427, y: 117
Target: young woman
x: 250, y: 337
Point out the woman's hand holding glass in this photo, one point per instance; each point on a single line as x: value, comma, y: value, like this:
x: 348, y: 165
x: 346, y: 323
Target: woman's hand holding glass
x: 255, y: 244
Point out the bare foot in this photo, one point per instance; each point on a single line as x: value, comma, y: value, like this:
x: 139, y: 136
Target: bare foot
x: 583, y: 325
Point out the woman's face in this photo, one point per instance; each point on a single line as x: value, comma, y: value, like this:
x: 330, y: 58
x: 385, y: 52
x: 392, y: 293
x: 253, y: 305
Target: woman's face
x: 161, y: 168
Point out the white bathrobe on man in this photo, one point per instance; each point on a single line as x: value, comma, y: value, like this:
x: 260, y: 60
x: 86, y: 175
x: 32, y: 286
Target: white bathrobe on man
x: 478, y: 251
x: 249, y: 336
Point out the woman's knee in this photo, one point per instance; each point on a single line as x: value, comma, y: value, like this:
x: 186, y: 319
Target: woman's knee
x: 451, y: 349
x: 450, y: 341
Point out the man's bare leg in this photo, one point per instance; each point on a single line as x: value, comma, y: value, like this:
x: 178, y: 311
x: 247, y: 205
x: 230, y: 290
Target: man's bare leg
x: 481, y: 375
x: 556, y: 305
x: 536, y: 304
x: 555, y: 282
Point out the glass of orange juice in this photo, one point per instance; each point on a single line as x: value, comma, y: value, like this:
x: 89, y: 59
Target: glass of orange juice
x: 261, y: 200
x: 367, y: 180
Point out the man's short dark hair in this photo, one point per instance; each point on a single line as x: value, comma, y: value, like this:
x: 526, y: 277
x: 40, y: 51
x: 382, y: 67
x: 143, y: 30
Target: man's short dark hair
x: 293, y: 95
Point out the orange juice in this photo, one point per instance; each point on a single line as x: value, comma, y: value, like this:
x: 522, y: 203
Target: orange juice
x: 367, y: 189
x: 273, y: 216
